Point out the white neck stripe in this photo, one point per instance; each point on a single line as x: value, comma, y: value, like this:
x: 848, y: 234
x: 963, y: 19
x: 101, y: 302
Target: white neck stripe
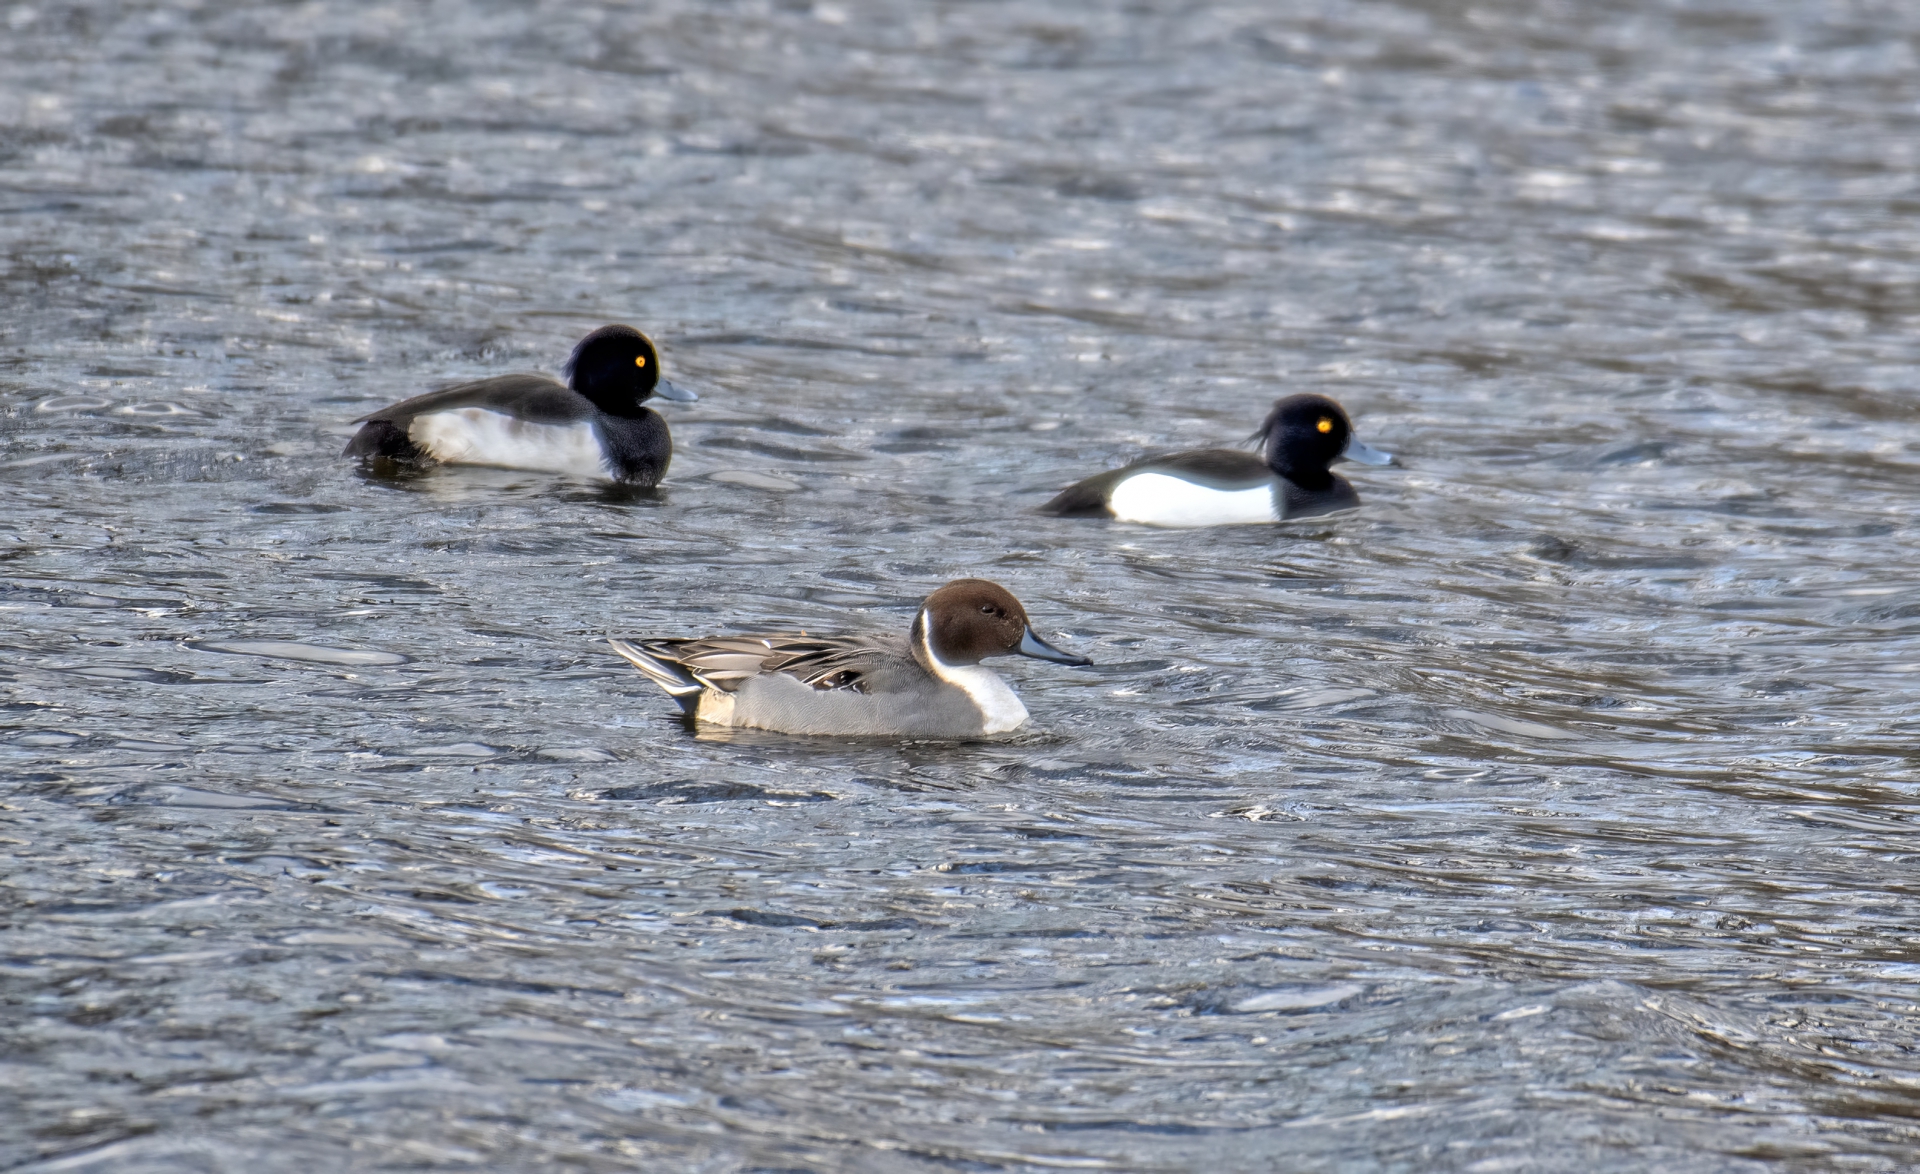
x: 1000, y: 710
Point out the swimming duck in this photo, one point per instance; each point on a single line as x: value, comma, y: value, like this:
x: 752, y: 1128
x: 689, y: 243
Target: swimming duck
x: 591, y: 426
x: 1222, y: 486
x: 929, y: 685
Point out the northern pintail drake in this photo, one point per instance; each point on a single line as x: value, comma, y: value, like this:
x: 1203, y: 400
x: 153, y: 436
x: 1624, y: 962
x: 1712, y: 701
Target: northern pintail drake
x: 929, y: 685
x: 1302, y: 436
x: 593, y: 425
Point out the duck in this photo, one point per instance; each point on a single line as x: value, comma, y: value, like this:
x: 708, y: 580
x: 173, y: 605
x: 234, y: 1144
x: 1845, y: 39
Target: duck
x: 929, y: 685
x: 1302, y: 436
x: 593, y: 425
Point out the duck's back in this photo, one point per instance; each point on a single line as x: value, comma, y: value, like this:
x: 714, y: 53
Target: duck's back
x: 796, y: 684
x: 1199, y: 487
x: 536, y: 399
x: 518, y: 422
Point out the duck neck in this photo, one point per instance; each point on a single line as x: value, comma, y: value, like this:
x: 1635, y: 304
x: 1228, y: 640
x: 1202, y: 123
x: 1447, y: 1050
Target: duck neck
x: 617, y: 392
x: 1306, y: 474
x: 1000, y: 709
x: 623, y: 405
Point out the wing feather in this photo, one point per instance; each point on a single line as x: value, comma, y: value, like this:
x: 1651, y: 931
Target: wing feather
x: 821, y: 662
x: 533, y: 398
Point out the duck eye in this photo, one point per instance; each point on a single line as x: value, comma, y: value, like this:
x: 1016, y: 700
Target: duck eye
x: 641, y: 361
x: 1325, y: 424
x: 989, y: 609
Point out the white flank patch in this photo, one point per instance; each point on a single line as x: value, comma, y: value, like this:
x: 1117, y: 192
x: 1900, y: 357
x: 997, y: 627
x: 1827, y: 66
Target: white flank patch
x: 1157, y: 499
x: 1000, y: 710
x: 476, y: 436
x: 716, y: 706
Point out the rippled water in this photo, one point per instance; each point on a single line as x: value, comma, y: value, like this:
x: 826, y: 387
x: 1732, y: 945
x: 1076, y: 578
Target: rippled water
x: 1554, y: 812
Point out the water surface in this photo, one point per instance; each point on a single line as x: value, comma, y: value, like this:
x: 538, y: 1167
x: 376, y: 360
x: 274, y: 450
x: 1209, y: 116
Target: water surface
x: 1555, y: 811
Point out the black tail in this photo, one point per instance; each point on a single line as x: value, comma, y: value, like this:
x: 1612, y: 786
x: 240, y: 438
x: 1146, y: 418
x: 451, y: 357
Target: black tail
x: 1088, y: 499
x: 381, y: 438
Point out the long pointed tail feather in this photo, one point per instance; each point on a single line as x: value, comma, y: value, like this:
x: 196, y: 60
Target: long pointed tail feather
x: 670, y: 677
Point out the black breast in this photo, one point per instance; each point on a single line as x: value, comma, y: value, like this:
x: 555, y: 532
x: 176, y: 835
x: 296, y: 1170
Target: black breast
x: 638, y: 447
x: 1337, y: 495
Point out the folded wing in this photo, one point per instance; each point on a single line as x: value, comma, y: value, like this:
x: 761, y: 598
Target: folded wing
x: 727, y: 662
x: 533, y: 398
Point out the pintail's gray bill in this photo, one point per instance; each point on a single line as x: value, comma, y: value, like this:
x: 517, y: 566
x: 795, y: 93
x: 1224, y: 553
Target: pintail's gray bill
x: 678, y: 395
x: 1366, y: 454
x: 1034, y: 646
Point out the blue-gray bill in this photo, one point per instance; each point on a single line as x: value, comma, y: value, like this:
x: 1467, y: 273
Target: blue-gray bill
x: 1034, y: 646
x: 1366, y: 454
x: 679, y: 395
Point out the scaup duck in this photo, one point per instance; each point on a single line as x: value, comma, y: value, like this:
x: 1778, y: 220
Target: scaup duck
x: 593, y: 425
x: 1302, y: 436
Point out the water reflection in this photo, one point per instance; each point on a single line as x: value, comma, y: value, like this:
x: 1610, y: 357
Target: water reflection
x: 1548, y: 811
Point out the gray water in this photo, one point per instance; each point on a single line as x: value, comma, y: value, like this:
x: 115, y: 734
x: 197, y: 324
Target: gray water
x: 1555, y: 811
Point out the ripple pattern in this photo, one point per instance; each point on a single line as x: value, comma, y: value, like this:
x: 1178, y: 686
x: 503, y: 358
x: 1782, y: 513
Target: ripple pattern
x: 1550, y: 813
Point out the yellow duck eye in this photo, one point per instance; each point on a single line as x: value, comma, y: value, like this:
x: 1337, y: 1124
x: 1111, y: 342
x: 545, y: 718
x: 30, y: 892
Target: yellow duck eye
x: 641, y: 361
x: 1325, y: 424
